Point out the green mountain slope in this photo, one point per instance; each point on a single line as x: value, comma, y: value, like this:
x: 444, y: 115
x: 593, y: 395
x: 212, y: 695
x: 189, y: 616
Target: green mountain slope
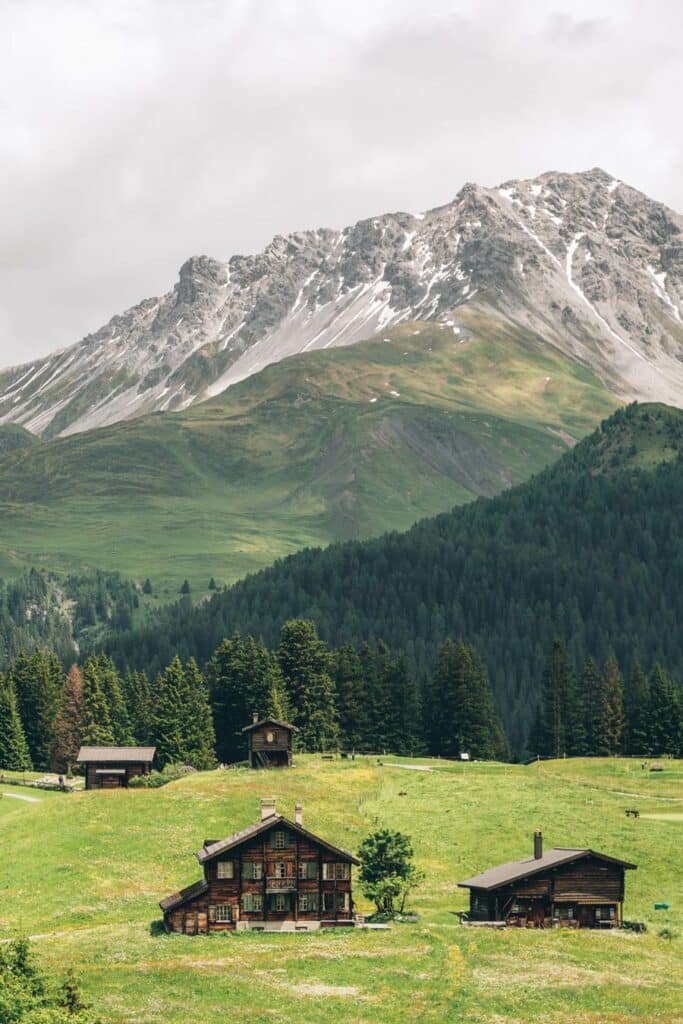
x: 590, y: 550
x: 15, y: 438
x: 114, y: 855
x: 337, y: 444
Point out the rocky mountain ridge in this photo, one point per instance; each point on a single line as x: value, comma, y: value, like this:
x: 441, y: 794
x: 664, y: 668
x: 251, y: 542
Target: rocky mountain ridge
x: 584, y: 261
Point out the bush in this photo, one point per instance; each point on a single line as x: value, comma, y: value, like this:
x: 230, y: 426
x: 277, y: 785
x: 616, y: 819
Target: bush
x: 155, y: 779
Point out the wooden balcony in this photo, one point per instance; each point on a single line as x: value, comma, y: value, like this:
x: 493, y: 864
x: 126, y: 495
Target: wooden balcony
x: 281, y: 885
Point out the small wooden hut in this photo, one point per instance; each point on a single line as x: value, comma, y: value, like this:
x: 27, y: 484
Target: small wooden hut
x: 114, y: 767
x: 269, y: 743
x: 565, y: 887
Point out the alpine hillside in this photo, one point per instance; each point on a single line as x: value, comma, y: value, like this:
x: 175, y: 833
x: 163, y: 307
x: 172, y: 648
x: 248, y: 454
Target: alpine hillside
x: 584, y: 261
x: 589, y: 551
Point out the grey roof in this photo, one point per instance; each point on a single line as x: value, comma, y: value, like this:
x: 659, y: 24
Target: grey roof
x: 271, y: 721
x: 223, y: 845
x: 178, y: 898
x: 108, y: 754
x: 516, y: 869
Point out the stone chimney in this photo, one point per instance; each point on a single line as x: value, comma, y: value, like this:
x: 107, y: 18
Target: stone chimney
x: 254, y: 718
x: 538, y: 845
x: 299, y: 815
x: 268, y: 807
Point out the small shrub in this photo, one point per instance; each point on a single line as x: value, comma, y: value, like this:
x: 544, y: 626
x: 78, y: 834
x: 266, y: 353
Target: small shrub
x: 155, y: 779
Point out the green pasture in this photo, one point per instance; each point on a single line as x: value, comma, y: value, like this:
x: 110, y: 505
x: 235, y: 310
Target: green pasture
x: 83, y: 874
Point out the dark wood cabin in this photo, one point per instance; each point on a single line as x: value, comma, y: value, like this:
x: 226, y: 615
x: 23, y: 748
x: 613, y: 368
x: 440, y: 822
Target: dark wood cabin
x: 272, y: 876
x: 114, y: 767
x: 565, y: 887
x: 269, y: 743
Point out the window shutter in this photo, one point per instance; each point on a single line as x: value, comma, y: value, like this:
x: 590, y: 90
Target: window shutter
x: 311, y: 869
x: 285, y: 836
x: 212, y: 915
x: 312, y: 901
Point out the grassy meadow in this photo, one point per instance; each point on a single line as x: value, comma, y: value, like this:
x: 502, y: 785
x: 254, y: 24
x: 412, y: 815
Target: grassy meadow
x: 348, y: 442
x: 83, y: 874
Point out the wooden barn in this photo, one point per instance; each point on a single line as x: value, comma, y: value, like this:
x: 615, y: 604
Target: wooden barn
x: 272, y: 876
x: 269, y: 743
x: 565, y: 887
x: 114, y: 767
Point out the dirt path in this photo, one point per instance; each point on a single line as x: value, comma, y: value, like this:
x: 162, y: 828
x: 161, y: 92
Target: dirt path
x: 28, y: 799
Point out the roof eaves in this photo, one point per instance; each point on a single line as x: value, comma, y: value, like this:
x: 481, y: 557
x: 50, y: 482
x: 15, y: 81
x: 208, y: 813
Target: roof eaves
x: 215, y: 850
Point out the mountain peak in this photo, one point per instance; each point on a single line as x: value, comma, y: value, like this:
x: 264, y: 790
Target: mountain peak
x: 593, y: 270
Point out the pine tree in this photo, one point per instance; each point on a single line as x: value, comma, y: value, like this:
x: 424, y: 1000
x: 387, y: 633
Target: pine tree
x: 68, y: 723
x: 278, y: 705
x: 199, y: 736
x: 14, y: 752
x: 664, y: 714
x: 637, y: 711
x: 168, y: 713
x: 243, y: 679
x: 304, y: 662
x: 352, y: 696
x: 183, y: 725
x: 609, y: 711
x: 588, y: 688
x: 185, y: 588
x: 404, y: 725
x: 38, y: 682
x: 96, y: 727
x: 557, y: 695
x: 138, y: 697
x: 447, y: 696
x: 113, y: 693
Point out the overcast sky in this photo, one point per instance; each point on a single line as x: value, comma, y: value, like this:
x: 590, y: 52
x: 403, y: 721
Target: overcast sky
x: 135, y: 133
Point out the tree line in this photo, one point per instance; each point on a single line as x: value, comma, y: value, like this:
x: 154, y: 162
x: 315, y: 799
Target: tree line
x: 363, y: 699
x: 599, y: 710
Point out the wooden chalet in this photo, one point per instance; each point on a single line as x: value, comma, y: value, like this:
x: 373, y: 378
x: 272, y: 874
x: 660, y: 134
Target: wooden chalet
x: 272, y: 876
x: 114, y: 767
x: 269, y: 743
x: 565, y: 887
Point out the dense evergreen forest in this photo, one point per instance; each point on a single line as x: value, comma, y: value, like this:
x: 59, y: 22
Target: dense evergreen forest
x: 363, y: 699
x: 590, y: 551
x: 64, y: 614
x: 351, y: 699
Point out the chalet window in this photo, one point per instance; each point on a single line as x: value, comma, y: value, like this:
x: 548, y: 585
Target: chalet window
x: 225, y: 869
x: 270, y: 737
x: 279, y: 840
x: 307, y: 869
x: 328, y: 901
x: 335, y: 871
x: 253, y: 870
x: 280, y: 869
x: 223, y: 913
x: 279, y: 902
x: 341, y: 901
x: 252, y: 903
x: 308, y: 901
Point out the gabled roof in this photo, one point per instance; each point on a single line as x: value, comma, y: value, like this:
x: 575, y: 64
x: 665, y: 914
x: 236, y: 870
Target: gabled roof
x: 178, y: 898
x: 494, y: 878
x: 208, y: 853
x: 116, y: 754
x: 271, y: 721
